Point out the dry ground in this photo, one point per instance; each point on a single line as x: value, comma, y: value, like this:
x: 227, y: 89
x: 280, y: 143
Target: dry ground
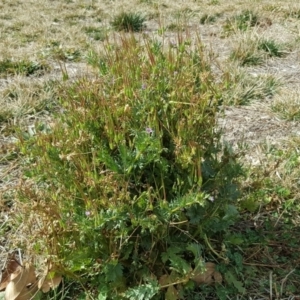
x: 61, y: 33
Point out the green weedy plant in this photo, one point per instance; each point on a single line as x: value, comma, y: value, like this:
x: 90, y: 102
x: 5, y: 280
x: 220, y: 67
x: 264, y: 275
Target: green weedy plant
x: 128, y: 22
x: 242, y: 22
x: 240, y: 88
x: 129, y: 187
x: 209, y: 19
x: 271, y: 48
x: 98, y: 34
x: 246, y: 52
x: 25, y: 67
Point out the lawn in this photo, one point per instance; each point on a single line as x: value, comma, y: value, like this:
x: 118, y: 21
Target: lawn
x: 149, y: 149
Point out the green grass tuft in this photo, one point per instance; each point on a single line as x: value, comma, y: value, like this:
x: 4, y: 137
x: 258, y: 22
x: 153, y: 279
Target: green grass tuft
x: 242, y: 22
x: 287, y: 105
x: 271, y: 48
x: 24, y: 67
x: 241, y: 88
x: 128, y: 22
x: 208, y: 19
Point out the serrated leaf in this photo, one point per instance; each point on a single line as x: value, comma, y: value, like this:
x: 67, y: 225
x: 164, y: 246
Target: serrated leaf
x: 102, y: 294
x: 196, y: 249
x: 231, y: 212
x: 143, y: 292
x: 114, y: 271
x: 179, y: 264
x: 231, y: 279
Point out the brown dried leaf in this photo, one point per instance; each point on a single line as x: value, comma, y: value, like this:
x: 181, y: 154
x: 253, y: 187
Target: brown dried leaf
x: 11, y: 267
x: 45, y: 289
x: 28, y: 292
x: 164, y: 280
x: 21, y: 278
x: 16, y: 273
x: 218, y: 277
x: 209, y: 276
x: 31, y: 279
x: 45, y: 284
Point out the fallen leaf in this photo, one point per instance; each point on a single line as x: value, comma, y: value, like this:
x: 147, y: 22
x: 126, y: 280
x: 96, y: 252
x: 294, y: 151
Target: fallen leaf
x: 28, y: 292
x: 164, y: 280
x: 218, y: 277
x: 207, y: 276
x: 21, y: 278
x: 11, y: 266
x: 45, y: 284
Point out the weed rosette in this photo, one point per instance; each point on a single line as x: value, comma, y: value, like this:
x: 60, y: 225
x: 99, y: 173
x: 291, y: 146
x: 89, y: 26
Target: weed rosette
x: 129, y: 186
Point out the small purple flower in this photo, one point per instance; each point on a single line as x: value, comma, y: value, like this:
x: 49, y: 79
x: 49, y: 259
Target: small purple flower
x: 144, y: 86
x: 87, y: 213
x: 149, y: 130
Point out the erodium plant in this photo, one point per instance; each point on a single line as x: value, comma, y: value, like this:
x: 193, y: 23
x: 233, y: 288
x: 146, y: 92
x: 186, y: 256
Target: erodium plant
x: 132, y: 181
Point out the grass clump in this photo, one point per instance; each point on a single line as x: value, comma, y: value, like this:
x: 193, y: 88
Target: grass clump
x: 132, y: 182
x: 272, y: 48
x: 128, y: 22
x: 208, y: 19
x: 287, y: 105
x: 247, y: 57
x: 241, y: 88
x: 242, y: 22
x: 294, y: 13
x: 246, y: 51
x: 98, y: 34
x: 24, y: 67
x: 23, y: 98
x: 57, y: 51
x: 252, y: 51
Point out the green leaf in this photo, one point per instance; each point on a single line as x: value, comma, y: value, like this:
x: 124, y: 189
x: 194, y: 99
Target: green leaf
x: 171, y: 293
x: 250, y: 204
x: 178, y: 264
x: 113, y: 271
x: 231, y: 279
x: 103, y: 294
x: 196, y: 249
x: 143, y: 292
x: 231, y: 212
